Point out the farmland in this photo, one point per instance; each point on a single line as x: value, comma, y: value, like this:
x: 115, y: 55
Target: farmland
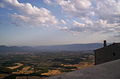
x: 43, y: 64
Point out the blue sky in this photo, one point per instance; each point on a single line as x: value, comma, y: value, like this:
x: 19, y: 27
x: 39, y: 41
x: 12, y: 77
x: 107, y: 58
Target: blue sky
x: 54, y: 22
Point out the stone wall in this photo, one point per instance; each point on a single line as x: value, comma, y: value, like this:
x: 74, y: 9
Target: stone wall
x: 108, y: 53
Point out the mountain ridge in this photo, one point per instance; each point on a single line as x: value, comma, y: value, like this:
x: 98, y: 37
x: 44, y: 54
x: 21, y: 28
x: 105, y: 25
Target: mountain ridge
x: 67, y: 47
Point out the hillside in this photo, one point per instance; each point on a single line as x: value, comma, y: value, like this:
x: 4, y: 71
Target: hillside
x: 109, y: 70
x: 70, y: 47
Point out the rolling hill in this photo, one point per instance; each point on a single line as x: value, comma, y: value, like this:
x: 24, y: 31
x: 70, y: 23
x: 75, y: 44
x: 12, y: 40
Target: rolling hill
x: 69, y: 47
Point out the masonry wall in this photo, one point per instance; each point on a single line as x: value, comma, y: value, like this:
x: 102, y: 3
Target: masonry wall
x: 106, y: 54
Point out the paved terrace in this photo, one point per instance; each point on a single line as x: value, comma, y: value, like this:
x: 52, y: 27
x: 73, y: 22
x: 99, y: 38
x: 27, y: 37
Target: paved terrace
x: 109, y: 70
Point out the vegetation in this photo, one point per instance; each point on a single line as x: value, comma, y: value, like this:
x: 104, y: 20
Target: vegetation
x: 42, y: 63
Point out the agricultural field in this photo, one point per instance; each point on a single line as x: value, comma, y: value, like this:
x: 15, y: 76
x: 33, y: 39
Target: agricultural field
x: 42, y: 64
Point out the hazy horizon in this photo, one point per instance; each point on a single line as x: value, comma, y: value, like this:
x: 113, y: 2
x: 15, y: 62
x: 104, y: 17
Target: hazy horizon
x: 108, y: 43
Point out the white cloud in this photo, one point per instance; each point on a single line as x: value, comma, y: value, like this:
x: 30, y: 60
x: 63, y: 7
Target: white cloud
x: 47, y: 1
x: 77, y: 24
x: 108, y: 10
x: 24, y: 18
x: 86, y: 15
x: 79, y: 8
x: 94, y: 15
x: 29, y: 14
x: 50, y: 2
x: 63, y: 21
x: 102, y: 9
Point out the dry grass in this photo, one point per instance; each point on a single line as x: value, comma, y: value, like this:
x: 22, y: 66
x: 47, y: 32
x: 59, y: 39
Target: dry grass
x: 81, y: 65
x: 25, y: 70
x: 15, y: 67
x: 52, y: 72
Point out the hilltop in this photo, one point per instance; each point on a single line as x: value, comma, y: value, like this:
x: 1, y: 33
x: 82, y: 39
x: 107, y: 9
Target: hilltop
x: 69, y: 47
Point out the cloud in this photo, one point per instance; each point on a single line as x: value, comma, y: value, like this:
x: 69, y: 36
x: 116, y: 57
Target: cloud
x: 28, y: 14
x: 47, y: 1
x: 92, y: 15
x: 102, y: 9
x: 50, y: 2
x: 63, y: 21
x: 79, y: 15
x: 108, y: 10
x: 78, y: 8
x: 77, y: 24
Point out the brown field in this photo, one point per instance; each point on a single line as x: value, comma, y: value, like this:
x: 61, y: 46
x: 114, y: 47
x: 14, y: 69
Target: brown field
x: 81, y: 65
x: 52, y: 72
x: 25, y: 70
x: 15, y: 67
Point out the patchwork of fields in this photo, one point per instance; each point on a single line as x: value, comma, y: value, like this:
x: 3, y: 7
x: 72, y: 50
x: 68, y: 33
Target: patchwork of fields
x: 43, y: 64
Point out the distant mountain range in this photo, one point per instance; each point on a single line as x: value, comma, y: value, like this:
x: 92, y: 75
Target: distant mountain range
x: 69, y: 47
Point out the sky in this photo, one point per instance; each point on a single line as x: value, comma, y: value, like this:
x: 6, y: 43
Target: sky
x: 57, y: 22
